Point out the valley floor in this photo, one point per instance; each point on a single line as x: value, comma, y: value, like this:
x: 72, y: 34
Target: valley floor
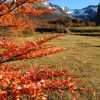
x: 82, y: 58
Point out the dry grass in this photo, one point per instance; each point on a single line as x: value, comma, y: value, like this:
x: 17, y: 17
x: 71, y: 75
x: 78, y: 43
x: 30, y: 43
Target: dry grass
x: 82, y: 58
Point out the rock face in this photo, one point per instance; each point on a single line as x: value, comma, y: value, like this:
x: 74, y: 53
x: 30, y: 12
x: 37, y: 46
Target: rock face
x: 88, y: 13
x: 98, y: 16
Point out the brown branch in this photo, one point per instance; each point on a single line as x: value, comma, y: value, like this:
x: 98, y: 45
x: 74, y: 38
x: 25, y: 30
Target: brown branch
x: 14, y: 8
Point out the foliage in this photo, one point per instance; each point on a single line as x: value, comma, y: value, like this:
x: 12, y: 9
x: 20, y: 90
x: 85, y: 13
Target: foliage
x: 14, y: 14
x: 68, y: 22
x: 12, y: 51
x: 14, y: 85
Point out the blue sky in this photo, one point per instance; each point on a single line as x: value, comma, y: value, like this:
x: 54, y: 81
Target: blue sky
x: 73, y: 4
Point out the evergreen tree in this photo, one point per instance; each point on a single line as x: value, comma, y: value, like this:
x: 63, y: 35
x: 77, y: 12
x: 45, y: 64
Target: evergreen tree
x: 98, y: 16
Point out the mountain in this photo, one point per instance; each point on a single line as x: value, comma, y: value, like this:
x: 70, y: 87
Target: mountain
x: 61, y: 16
x: 45, y: 20
x: 68, y: 10
x: 58, y: 13
x: 87, y: 13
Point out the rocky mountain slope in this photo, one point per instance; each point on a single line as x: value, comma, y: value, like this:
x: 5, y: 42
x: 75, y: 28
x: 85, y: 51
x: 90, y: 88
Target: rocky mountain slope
x: 64, y: 16
x: 58, y: 13
x: 87, y: 13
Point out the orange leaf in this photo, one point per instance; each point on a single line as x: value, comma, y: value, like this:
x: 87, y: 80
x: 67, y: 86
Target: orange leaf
x: 3, y: 92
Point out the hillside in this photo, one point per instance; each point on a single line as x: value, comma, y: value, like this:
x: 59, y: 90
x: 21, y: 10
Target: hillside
x: 61, y: 17
x: 44, y: 19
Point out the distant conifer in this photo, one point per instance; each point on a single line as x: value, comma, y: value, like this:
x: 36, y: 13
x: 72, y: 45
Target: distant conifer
x: 98, y: 16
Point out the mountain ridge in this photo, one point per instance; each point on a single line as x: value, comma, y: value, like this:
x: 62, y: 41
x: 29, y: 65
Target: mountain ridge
x: 86, y: 13
x: 61, y: 16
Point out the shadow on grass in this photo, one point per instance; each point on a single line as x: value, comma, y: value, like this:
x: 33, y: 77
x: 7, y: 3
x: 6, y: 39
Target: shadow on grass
x: 89, y: 34
x: 87, y: 45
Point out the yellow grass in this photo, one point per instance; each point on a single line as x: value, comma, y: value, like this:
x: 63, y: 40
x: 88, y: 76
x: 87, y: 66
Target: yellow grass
x: 82, y: 58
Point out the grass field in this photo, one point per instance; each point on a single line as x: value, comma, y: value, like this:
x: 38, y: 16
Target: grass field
x: 88, y: 28
x: 82, y: 58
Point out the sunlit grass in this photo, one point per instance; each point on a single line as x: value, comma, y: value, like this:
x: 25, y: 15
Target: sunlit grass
x: 82, y: 58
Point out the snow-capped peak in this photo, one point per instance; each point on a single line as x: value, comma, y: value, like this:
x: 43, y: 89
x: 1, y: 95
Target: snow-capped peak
x: 87, y: 13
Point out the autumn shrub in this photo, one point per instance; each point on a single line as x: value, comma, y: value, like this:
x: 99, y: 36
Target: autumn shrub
x: 28, y: 31
x: 36, y: 84
x: 14, y: 14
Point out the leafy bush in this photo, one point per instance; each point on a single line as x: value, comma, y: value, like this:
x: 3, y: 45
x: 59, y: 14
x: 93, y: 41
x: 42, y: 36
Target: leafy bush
x: 36, y: 84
